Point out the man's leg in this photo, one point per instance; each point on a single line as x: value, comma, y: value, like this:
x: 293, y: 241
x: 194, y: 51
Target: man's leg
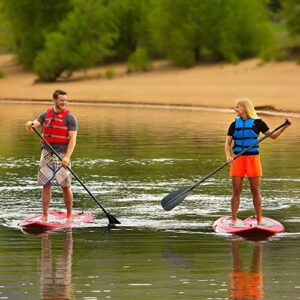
x: 68, y: 198
x: 46, y: 196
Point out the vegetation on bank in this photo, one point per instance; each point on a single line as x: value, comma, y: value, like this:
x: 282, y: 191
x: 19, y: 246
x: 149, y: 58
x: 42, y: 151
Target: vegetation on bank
x: 56, y: 38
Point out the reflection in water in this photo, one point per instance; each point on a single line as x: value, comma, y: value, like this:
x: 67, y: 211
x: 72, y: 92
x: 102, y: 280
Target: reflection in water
x: 56, y: 274
x: 134, y: 158
x: 246, y: 285
x: 175, y: 259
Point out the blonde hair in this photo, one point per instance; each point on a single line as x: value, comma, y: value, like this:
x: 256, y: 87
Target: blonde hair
x: 248, y: 105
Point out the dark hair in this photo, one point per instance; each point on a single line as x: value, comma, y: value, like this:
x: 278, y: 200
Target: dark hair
x: 57, y: 93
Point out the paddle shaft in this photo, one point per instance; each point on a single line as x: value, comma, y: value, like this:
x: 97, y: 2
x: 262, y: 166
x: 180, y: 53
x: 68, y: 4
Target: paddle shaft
x: 112, y: 219
x: 238, y: 155
x: 174, y: 198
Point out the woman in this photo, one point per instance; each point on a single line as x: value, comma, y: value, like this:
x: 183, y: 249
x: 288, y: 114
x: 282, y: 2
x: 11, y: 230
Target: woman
x: 244, y: 131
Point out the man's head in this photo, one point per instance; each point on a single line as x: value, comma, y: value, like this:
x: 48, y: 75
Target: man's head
x: 60, y: 99
x: 58, y: 93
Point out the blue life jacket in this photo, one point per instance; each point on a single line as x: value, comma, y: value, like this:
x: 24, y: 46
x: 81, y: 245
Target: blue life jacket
x: 244, y: 136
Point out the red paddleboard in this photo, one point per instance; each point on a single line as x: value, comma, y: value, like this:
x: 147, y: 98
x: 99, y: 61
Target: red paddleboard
x: 56, y: 220
x: 248, y: 227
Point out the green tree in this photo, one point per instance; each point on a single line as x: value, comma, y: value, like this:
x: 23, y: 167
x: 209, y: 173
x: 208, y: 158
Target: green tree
x: 30, y: 21
x: 192, y: 31
x: 130, y: 19
x: 5, y: 31
x: 247, y: 29
x: 83, y: 40
x: 291, y: 14
x: 139, y: 61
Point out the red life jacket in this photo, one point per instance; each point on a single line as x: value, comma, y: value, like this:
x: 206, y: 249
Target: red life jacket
x: 54, y: 130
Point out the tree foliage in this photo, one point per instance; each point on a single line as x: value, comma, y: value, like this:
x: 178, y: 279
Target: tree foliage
x: 130, y: 19
x: 191, y: 31
x: 30, y: 21
x: 139, y: 61
x: 82, y: 40
x: 5, y: 31
x: 57, y: 37
x: 291, y: 14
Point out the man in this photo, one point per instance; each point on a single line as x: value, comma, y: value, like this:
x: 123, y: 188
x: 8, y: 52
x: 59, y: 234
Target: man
x: 60, y: 131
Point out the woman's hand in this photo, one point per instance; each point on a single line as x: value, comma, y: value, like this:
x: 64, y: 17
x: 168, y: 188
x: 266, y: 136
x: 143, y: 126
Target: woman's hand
x: 229, y: 159
x: 289, y: 122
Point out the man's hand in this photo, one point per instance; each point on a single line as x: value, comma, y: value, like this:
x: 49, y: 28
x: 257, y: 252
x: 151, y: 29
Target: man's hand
x: 66, y: 160
x: 28, y: 126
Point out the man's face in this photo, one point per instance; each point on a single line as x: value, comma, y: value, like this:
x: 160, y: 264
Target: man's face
x: 60, y: 102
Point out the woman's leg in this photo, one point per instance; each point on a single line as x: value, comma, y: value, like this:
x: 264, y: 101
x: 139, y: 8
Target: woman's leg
x: 257, y: 201
x: 237, y: 186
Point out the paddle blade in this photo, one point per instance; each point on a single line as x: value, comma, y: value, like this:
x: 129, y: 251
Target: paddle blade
x: 112, y: 220
x: 174, y: 198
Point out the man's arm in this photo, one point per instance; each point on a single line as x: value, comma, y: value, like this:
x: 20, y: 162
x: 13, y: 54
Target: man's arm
x: 71, y: 147
x: 30, y: 124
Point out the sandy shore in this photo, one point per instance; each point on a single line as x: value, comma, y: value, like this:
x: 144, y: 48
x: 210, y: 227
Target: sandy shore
x: 271, y: 84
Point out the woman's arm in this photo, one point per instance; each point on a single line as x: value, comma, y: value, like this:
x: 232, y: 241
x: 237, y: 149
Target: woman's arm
x: 276, y: 134
x: 228, y: 152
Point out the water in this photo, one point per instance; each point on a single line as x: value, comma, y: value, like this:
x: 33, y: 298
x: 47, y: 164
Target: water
x: 130, y: 158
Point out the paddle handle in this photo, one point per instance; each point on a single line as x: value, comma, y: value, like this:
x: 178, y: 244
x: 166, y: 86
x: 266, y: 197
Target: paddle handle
x: 111, y: 218
x: 241, y: 153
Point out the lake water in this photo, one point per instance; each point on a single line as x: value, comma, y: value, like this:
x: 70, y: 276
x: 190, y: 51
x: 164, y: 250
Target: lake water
x: 130, y: 158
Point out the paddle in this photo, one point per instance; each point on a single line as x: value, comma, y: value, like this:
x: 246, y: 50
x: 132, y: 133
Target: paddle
x: 174, y: 198
x: 112, y: 220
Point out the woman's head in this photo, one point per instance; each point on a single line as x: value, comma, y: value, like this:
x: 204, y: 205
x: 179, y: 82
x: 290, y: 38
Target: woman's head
x: 245, y: 107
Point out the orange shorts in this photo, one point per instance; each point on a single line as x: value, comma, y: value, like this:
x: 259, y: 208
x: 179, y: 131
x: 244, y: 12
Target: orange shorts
x: 246, y: 165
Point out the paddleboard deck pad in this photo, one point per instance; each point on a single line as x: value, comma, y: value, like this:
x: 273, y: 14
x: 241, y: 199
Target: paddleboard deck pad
x: 248, y: 226
x: 55, y: 220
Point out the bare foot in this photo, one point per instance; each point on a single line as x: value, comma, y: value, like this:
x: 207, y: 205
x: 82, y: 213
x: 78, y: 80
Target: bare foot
x: 44, y: 218
x: 260, y: 221
x: 232, y: 222
x: 69, y: 218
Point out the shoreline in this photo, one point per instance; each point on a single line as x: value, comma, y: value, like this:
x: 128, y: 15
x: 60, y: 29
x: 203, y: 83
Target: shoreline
x: 147, y: 105
x: 273, y: 87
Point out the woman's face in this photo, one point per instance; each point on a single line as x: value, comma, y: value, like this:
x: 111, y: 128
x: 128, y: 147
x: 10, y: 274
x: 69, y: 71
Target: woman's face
x: 240, y: 110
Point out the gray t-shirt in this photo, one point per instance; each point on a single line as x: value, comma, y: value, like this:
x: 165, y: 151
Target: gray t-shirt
x: 70, y: 121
